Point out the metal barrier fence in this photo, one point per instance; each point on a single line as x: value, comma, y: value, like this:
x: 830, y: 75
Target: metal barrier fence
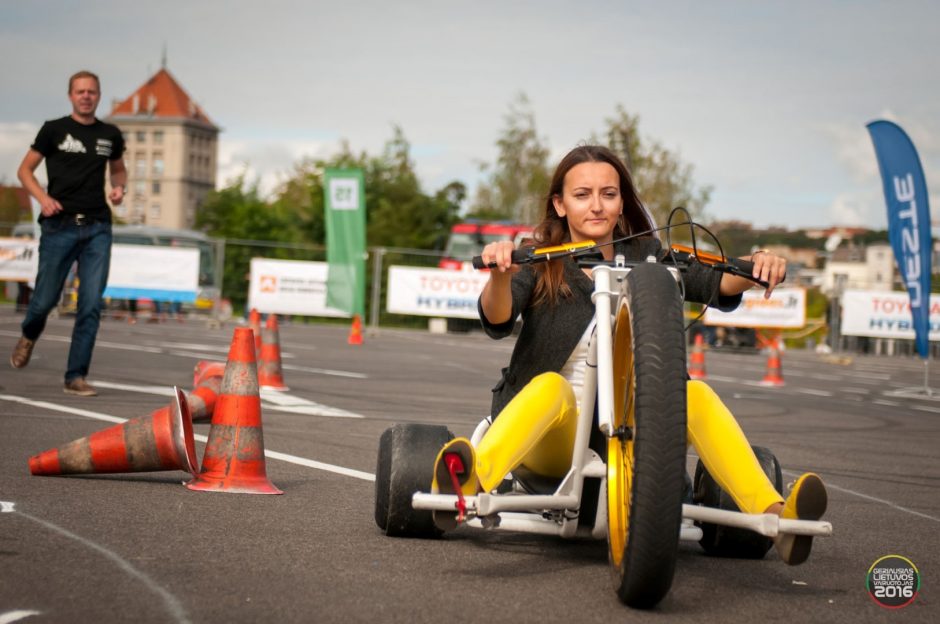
x: 233, y: 260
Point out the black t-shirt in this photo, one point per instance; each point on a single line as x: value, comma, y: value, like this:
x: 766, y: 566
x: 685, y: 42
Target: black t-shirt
x: 76, y: 160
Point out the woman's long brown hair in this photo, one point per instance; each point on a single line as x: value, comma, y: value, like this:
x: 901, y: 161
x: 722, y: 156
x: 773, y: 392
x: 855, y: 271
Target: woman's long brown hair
x: 554, y: 230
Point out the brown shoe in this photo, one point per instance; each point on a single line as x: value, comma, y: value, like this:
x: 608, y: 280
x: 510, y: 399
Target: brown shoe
x: 79, y: 387
x: 22, y: 352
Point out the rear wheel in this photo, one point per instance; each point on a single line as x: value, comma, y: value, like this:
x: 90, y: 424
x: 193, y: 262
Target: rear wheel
x: 405, y: 466
x: 722, y: 541
x: 646, y: 456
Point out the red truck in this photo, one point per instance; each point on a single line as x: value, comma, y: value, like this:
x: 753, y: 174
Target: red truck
x: 468, y: 238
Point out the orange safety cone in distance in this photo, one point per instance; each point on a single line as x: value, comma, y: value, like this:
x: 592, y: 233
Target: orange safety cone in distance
x: 697, y: 359
x: 163, y: 440
x: 254, y: 322
x: 234, y: 457
x: 355, y: 332
x: 774, y: 376
x: 270, y: 373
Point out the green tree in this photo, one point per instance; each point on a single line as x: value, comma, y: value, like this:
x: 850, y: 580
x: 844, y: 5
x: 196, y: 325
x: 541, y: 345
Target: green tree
x: 521, y: 174
x: 663, y: 181
x: 399, y: 213
x: 238, y: 213
x: 11, y: 210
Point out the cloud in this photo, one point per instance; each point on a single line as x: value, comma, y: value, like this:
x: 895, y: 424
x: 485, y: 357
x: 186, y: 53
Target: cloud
x: 858, y: 208
x: 267, y: 162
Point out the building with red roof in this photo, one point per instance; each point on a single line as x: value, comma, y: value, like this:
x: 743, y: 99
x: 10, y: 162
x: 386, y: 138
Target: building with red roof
x: 172, y: 153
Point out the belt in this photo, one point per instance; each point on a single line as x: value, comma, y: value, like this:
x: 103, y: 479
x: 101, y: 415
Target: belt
x: 78, y: 219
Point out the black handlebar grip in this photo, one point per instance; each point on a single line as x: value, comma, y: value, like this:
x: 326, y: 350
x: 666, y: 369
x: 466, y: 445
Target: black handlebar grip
x: 519, y: 256
x: 747, y: 267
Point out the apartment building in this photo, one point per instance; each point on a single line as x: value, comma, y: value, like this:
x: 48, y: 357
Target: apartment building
x: 171, y: 156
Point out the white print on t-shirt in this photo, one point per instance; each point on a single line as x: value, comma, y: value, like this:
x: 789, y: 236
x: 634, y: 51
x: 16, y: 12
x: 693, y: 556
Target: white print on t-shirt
x: 103, y: 147
x: 71, y: 144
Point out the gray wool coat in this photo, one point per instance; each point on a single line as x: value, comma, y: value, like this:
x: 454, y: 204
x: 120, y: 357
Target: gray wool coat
x: 550, y: 332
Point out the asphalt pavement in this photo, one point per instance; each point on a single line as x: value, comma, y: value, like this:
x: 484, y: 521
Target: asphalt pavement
x: 143, y: 548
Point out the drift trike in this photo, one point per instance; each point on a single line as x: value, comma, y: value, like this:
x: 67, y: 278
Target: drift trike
x: 627, y: 481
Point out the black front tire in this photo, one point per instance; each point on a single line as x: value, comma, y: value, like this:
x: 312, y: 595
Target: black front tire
x: 646, y: 470
x: 405, y: 466
x: 722, y: 541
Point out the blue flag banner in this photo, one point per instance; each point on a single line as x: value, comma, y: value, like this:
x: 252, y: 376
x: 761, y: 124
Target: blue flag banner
x: 908, y: 219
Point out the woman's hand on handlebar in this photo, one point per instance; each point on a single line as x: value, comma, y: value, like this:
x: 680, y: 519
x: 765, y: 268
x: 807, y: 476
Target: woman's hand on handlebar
x: 769, y: 268
x: 500, y: 254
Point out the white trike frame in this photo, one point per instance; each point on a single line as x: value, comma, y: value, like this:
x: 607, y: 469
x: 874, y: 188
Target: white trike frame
x: 557, y: 514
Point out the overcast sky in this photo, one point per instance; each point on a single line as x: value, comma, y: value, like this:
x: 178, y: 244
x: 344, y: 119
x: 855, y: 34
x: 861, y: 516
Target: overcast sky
x: 768, y: 101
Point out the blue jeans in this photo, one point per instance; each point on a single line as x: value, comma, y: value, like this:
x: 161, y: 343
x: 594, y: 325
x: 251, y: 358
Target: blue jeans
x: 61, y: 244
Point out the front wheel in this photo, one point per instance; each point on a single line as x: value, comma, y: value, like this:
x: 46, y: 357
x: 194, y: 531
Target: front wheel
x: 646, y: 456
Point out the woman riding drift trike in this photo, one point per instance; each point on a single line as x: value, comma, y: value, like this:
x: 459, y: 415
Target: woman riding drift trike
x: 591, y: 419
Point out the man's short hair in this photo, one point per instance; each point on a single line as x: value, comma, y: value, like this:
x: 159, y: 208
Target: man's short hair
x: 84, y: 74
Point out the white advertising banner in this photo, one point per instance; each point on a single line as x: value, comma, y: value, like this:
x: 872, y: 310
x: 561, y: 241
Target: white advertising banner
x: 434, y: 292
x: 786, y: 308
x: 153, y: 272
x: 19, y: 259
x: 289, y: 287
x: 884, y: 314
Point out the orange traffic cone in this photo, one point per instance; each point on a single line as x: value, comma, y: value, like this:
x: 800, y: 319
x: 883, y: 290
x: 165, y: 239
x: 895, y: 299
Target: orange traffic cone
x: 205, y: 369
x: 774, y: 376
x: 161, y: 441
x: 697, y: 359
x: 234, y: 457
x: 270, y: 374
x: 254, y: 322
x: 203, y: 398
x: 355, y: 333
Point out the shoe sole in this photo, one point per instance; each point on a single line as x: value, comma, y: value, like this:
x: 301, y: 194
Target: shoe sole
x: 83, y: 393
x: 811, y: 504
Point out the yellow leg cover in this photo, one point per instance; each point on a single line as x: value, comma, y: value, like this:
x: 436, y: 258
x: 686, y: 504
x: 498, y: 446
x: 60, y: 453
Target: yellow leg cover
x: 536, y: 429
x: 725, y: 451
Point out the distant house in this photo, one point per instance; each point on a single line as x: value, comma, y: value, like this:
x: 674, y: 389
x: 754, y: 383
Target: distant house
x: 172, y: 153
x: 859, y: 268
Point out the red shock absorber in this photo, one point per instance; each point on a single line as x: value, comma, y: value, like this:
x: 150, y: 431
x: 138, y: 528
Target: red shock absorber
x: 455, y: 467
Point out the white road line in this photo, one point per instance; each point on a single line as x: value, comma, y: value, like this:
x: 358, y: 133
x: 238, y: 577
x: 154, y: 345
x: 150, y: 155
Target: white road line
x: 324, y: 371
x: 270, y: 400
x: 62, y: 408
x: 173, y: 605
x: 886, y: 403
x: 16, y: 616
x: 871, y: 498
x: 857, y: 390
x: 300, y: 461
x: 158, y: 390
x: 926, y: 408
x: 823, y: 393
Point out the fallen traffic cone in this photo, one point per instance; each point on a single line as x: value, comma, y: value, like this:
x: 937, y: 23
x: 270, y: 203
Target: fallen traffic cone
x: 254, y: 322
x: 203, y: 398
x: 162, y: 440
x: 355, y: 332
x: 205, y: 368
x: 697, y: 359
x: 234, y: 457
x: 270, y: 374
x: 774, y: 376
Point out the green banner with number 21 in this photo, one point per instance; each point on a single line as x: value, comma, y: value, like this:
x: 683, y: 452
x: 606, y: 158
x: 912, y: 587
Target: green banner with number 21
x: 345, y: 205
